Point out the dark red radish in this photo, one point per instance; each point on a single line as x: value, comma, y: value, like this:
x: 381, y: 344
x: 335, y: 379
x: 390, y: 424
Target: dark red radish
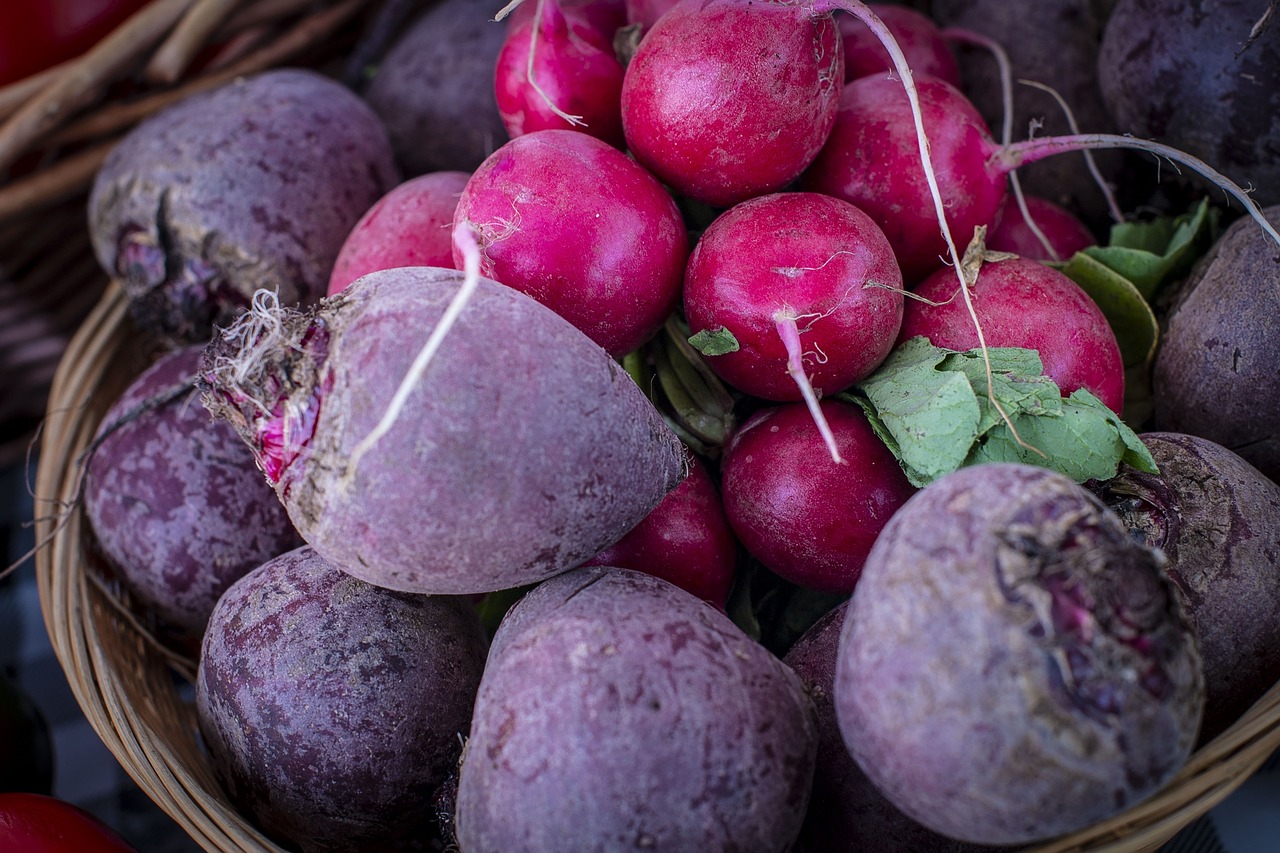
x: 435, y: 432
x: 729, y: 99
x: 803, y: 515
x: 1024, y: 303
x: 808, y: 286
x: 685, y: 540
x: 579, y: 226
x: 647, y: 12
x: 411, y: 226
x: 605, y: 16
x: 1063, y: 232
x: 1013, y: 666
x: 557, y: 71
x: 921, y: 41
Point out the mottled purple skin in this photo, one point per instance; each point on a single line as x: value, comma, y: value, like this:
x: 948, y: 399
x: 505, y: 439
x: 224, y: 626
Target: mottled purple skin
x: 1174, y: 71
x: 847, y: 814
x: 434, y: 89
x: 1215, y: 372
x: 176, y: 501
x: 1013, y: 666
x: 1217, y: 519
x: 332, y: 708
x: 523, y: 451
x: 255, y: 184
x: 618, y: 712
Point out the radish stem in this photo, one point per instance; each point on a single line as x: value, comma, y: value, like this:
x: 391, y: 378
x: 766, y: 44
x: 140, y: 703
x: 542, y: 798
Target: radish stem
x: 785, y: 323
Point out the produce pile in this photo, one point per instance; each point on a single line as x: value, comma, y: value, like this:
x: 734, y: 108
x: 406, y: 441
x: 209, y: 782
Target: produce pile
x: 688, y: 425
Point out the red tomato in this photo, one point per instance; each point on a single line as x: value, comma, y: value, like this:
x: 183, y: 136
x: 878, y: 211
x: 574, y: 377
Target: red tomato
x: 37, y: 34
x: 34, y: 823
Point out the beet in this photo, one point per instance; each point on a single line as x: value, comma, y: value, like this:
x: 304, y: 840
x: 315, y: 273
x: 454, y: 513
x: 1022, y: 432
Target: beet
x: 175, y: 499
x: 1215, y: 371
x: 253, y: 185
x: 434, y: 89
x: 1178, y: 72
x: 1217, y: 519
x: 333, y: 708
x: 1013, y: 666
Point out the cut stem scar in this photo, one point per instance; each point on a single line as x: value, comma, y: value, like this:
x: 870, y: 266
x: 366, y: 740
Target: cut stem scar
x: 785, y: 322
x: 465, y: 240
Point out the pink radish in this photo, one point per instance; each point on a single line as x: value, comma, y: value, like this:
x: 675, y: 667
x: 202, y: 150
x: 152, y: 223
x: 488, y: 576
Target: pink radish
x: 558, y: 71
x: 922, y: 43
x: 647, y: 12
x: 808, y: 286
x: 411, y: 226
x: 804, y: 516
x: 1062, y: 229
x: 576, y: 224
x: 606, y: 17
x: 1023, y: 303
x: 728, y: 99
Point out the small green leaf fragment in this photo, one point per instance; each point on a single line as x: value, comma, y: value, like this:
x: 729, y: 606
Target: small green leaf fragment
x: 1126, y: 309
x: 717, y: 341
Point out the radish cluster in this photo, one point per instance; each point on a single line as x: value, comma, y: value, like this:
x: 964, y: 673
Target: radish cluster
x: 606, y: 408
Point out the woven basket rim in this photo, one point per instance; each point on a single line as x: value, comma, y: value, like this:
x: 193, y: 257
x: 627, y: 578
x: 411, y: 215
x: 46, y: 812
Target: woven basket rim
x: 86, y: 633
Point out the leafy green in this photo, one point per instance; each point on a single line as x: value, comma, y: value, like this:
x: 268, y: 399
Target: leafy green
x: 717, y: 341
x: 1150, y: 254
x: 933, y: 408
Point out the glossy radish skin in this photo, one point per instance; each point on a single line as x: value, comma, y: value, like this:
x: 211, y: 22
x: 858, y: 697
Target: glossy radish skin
x: 872, y: 159
x: 813, y: 258
x: 574, y: 69
x: 35, y: 823
x: 686, y: 540
x: 922, y: 43
x: 1062, y: 228
x: 729, y: 99
x: 411, y: 226
x: 577, y: 225
x: 805, y: 517
x: 605, y: 16
x: 1023, y: 303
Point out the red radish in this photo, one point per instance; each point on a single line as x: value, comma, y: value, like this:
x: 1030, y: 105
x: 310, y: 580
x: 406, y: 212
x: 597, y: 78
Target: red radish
x: 808, y: 286
x: 922, y: 43
x: 558, y: 71
x: 729, y: 99
x: 1062, y: 230
x: 577, y: 225
x: 1023, y: 303
x: 804, y: 516
x: 647, y: 12
x: 686, y: 540
x: 411, y: 226
x: 605, y: 16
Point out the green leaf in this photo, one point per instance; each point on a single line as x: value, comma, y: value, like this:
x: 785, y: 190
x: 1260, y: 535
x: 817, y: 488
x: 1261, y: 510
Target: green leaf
x: 717, y: 341
x: 1127, y: 311
x: 1151, y: 254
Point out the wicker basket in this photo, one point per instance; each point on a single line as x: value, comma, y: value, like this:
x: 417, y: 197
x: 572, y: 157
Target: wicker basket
x: 56, y: 128
x: 133, y: 692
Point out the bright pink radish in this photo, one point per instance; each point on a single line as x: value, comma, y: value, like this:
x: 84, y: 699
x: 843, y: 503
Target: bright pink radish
x: 805, y: 517
x: 1062, y: 230
x: 686, y: 540
x: 557, y: 71
x: 579, y: 226
x: 921, y: 41
x: 1023, y: 303
x: 605, y: 16
x: 411, y: 226
x: 808, y: 286
x: 729, y: 99
x: 647, y: 12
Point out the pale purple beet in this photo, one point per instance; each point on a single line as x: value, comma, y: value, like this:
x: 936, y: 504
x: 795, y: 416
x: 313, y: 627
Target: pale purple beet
x: 1217, y: 519
x: 175, y: 499
x: 332, y: 709
x: 217, y: 196
x: 729, y: 99
x: 847, y: 814
x: 1063, y: 230
x: 686, y: 540
x: 1024, y: 303
x: 411, y: 226
x: 1013, y: 666
x: 575, y: 71
x: 577, y: 225
x: 522, y: 450
x: 922, y: 43
x: 804, y: 516
x: 618, y: 711
x: 811, y: 259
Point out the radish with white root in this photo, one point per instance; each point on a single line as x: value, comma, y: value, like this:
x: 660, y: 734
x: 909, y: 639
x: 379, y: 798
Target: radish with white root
x: 508, y: 449
x: 1064, y: 234
x: 922, y: 43
x: 808, y: 288
x: 579, y: 226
